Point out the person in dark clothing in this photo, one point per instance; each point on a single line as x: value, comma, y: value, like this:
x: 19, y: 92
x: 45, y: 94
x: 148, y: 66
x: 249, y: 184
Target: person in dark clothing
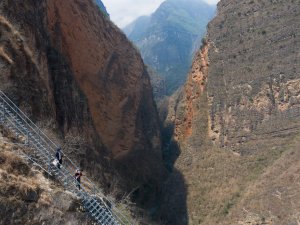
x: 58, y: 156
x: 78, y: 175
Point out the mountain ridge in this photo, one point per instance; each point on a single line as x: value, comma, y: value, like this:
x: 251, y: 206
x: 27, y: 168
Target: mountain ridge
x: 102, y: 7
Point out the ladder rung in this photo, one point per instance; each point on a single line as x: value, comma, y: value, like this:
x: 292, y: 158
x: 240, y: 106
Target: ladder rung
x: 94, y: 207
x: 100, y: 215
x: 104, y: 221
x: 91, y: 202
x: 98, y: 210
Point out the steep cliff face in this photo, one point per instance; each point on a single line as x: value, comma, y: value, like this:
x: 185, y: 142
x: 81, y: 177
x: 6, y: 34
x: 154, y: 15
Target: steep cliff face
x: 255, y: 69
x: 185, y: 113
x: 109, y: 72
x: 77, y: 75
x: 235, y: 123
x: 254, y: 73
x: 193, y: 93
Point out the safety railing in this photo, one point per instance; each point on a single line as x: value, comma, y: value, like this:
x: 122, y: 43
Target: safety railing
x: 46, y: 148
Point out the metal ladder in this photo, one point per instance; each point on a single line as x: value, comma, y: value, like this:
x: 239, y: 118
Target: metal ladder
x: 42, y: 152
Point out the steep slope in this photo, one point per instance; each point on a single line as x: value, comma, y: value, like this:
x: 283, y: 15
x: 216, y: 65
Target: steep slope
x: 74, y: 73
x: 235, y: 123
x: 26, y: 193
x: 170, y: 36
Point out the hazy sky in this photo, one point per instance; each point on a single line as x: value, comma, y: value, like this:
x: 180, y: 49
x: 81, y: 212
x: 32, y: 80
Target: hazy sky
x: 123, y: 12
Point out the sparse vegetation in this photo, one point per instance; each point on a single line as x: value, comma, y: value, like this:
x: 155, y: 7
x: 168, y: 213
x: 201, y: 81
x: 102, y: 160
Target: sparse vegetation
x: 16, y: 181
x: 25, y: 191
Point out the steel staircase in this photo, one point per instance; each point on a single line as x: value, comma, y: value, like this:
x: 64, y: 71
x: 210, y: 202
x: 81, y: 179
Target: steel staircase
x: 42, y: 152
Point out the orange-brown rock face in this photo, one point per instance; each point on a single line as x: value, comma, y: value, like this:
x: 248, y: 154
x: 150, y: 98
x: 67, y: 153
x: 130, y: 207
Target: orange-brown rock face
x: 193, y: 92
x: 108, y: 70
x: 69, y: 67
x: 188, y: 108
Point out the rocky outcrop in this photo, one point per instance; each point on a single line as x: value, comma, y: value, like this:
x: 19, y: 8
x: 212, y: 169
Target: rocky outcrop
x: 247, y: 84
x: 185, y: 113
x: 193, y: 93
x: 75, y: 74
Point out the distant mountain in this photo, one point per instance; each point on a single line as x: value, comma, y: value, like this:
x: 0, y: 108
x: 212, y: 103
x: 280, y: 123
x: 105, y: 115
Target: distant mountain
x: 138, y: 28
x: 169, y: 37
x: 158, y: 84
x: 102, y: 7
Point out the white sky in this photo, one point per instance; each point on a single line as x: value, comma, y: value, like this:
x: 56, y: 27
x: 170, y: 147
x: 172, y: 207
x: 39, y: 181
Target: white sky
x: 123, y: 12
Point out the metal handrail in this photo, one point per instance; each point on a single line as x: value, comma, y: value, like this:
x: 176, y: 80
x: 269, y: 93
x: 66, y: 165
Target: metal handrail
x: 21, y: 132
x: 14, y: 123
x: 41, y: 134
x: 42, y: 137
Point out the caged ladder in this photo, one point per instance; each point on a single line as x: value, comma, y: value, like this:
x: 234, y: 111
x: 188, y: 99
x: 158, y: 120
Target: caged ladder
x: 42, y: 153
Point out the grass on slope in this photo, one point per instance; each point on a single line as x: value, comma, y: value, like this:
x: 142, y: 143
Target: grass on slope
x: 16, y: 182
x: 220, y: 179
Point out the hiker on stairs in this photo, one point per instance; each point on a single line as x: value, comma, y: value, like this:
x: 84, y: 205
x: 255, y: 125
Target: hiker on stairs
x: 59, y: 156
x: 78, y: 174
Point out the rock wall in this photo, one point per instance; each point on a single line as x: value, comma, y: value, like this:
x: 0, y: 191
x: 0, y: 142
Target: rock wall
x: 249, y: 67
x: 236, y: 120
x: 73, y: 72
x: 255, y: 66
